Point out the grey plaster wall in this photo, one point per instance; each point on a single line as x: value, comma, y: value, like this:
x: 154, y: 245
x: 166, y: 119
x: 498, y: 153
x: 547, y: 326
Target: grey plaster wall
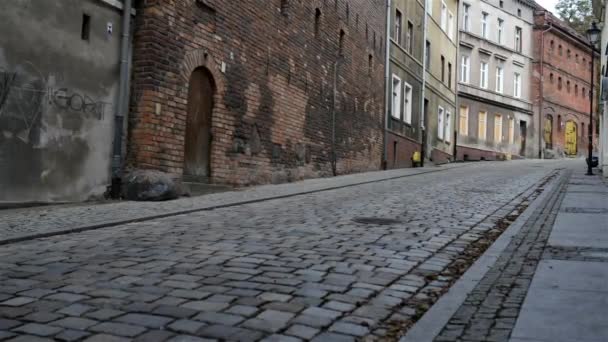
x: 57, y: 98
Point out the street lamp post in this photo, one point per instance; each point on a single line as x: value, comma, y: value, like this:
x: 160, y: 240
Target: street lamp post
x: 593, y: 35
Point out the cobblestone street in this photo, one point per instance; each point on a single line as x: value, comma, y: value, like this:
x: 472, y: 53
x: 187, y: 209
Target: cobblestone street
x: 358, y: 262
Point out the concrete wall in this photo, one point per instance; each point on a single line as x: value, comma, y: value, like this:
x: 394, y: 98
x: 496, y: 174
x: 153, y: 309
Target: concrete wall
x: 57, y: 96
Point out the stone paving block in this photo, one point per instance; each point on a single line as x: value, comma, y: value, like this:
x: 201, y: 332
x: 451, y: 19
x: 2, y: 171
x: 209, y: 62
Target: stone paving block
x: 313, y: 321
x: 14, y: 312
x: 106, y: 338
x: 339, y: 306
x: 74, y: 323
x: 119, y: 329
x: 38, y: 329
x: 333, y: 337
x: 76, y: 310
x: 5, y: 335
x: 205, y: 306
x: 274, y: 297
x: 104, y: 314
x: 186, y: 326
x: 243, y: 310
x: 36, y: 293
x: 174, y: 311
x: 71, y: 335
x: 18, y: 301
x: 187, y: 338
x: 302, y: 331
x: 280, y: 338
x: 320, y: 312
x: 66, y: 297
x: 269, y: 321
x: 145, y: 320
x: 7, y: 324
x: 154, y: 336
x: 292, y: 306
x: 219, y: 318
x: 349, y: 329
x: 230, y: 333
x: 30, y: 338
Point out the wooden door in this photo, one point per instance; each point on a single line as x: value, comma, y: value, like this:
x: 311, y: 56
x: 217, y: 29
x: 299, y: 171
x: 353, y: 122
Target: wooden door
x: 523, y: 133
x: 571, y: 136
x: 197, y: 153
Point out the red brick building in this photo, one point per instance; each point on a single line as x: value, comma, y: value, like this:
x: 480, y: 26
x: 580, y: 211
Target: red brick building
x: 561, y: 86
x: 248, y: 92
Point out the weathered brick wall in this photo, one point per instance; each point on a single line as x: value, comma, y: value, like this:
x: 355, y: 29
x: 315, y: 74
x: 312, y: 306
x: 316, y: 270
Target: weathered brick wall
x: 274, y: 79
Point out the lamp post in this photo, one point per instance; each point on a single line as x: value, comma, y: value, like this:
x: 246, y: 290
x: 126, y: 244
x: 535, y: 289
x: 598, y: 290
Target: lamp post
x: 593, y: 35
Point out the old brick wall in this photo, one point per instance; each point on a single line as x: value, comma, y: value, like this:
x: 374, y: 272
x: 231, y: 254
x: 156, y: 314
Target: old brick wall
x: 273, y: 69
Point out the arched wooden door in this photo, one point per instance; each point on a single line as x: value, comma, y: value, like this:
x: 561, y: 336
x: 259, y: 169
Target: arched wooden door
x: 197, y: 149
x: 571, y: 136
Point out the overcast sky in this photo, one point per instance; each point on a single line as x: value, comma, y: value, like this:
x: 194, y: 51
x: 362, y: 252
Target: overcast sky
x: 548, y: 4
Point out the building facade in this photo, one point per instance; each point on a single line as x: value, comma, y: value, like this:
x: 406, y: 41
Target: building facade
x: 59, y: 82
x: 439, y: 107
x: 405, y: 84
x: 561, y: 86
x: 495, y: 117
x: 599, y: 9
x: 237, y: 93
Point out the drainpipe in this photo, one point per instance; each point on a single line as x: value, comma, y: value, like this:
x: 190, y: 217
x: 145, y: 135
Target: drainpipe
x: 456, y: 128
x: 122, y: 106
x: 387, y: 79
x: 542, y: 85
x: 423, y: 127
x: 333, y: 121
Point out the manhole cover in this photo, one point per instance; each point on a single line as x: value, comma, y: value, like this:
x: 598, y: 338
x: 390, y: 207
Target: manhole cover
x: 376, y: 220
x: 585, y: 210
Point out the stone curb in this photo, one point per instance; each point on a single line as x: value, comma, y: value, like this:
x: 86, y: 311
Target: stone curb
x: 210, y: 207
x: 437, y: 317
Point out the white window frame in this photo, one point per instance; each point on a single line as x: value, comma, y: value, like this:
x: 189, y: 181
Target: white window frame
x: 517, y: 85
x: 482, y: 135
x: 485, y: 32
x: 451, y: 25
x: 398, y: 27
x: 498, y: 128
x: 501, y: 30
x: 444, y: 16
x: 440, y: 122
x: 500, y: 79
x: 463, y: 127
x: 397, y: 91
x: 483, y: 75
x: 407, y: 103
x: 465, y: 69
x: 429, y: 7
x: 518, y: 39
x: 448, y: 127
x: 466, y: 17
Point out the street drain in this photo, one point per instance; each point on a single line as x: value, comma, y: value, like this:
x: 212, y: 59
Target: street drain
x: 585, y: 210
x: 376, y: 220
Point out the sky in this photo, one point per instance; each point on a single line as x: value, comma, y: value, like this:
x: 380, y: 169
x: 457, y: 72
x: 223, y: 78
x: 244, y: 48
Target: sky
x: 548, y: 4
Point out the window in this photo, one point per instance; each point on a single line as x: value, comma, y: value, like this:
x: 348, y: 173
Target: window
x: 559, y: 83
x: 444, y: 17
x: 398, y: 26
x: 551, y: 78
x: 450, y: 75
x: 481, y: 127
x: 518, y: 39
x: 552, y: 46
x: 317, y: 22
x: 584, y: 60
x: 501, y: 26
x: 519, y: 12
x: 442, y: 69
x: 466, y: 17
x: 451, y: 25
x: 407, y: 104
x: 284, y: 7
x: 568, y: 86
x: 501, y: 3
x: 483, y: 76
x: 559, y: 123
x: 568, y: 54
x: 499, y: 79
x: 409, y: 38
x: 370, y: 64
x: 576, y: 90
x: 517, y: 85
x: 464, y: 69
x: 560, y: 50
x: 396, y: 109
x: 463, y: 122
x: 448, y: 127
x: 484, y: 25
x: 576, y: 58
x: 427, y: 53
x: 583, y: 93
x: 511, y: 130
x: 85, y: 30
x: 497, y: 128
x: 341, y: 43
x: 429, y: 7
x: 440, y: 123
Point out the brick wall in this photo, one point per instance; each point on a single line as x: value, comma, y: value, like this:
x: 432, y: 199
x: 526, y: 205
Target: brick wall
x: 274, y: 79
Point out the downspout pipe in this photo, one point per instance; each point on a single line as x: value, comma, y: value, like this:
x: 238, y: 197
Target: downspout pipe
x: 542, y: 86
x: 123, y: 102
x: 387, y: 85
x: 423, y: 118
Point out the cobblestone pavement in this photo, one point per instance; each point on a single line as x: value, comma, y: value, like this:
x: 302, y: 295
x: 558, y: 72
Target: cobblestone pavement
x: 290, y: 269
x: 46, y: 221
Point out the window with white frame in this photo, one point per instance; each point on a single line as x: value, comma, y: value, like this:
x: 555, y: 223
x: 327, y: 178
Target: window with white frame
x: 440, y: 122
x: 407, y: 104
x: 484, y: 25
x: 409, y: 37
x: 499, y: 80
x: 465, y: 68
x: 444, y: 16
x: 463, y: 121
x: 518, y: 39
x: 501, y: 27
x: 497, y: 128
x: 483, y: 75
x: 429, y: 7
x: 481, y: 126
x: 448, y: 127
x: 451, y: 25
x: 398, y: 26
x: 396, y: 108
x: 466, y: 17
x: 517, y: 85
